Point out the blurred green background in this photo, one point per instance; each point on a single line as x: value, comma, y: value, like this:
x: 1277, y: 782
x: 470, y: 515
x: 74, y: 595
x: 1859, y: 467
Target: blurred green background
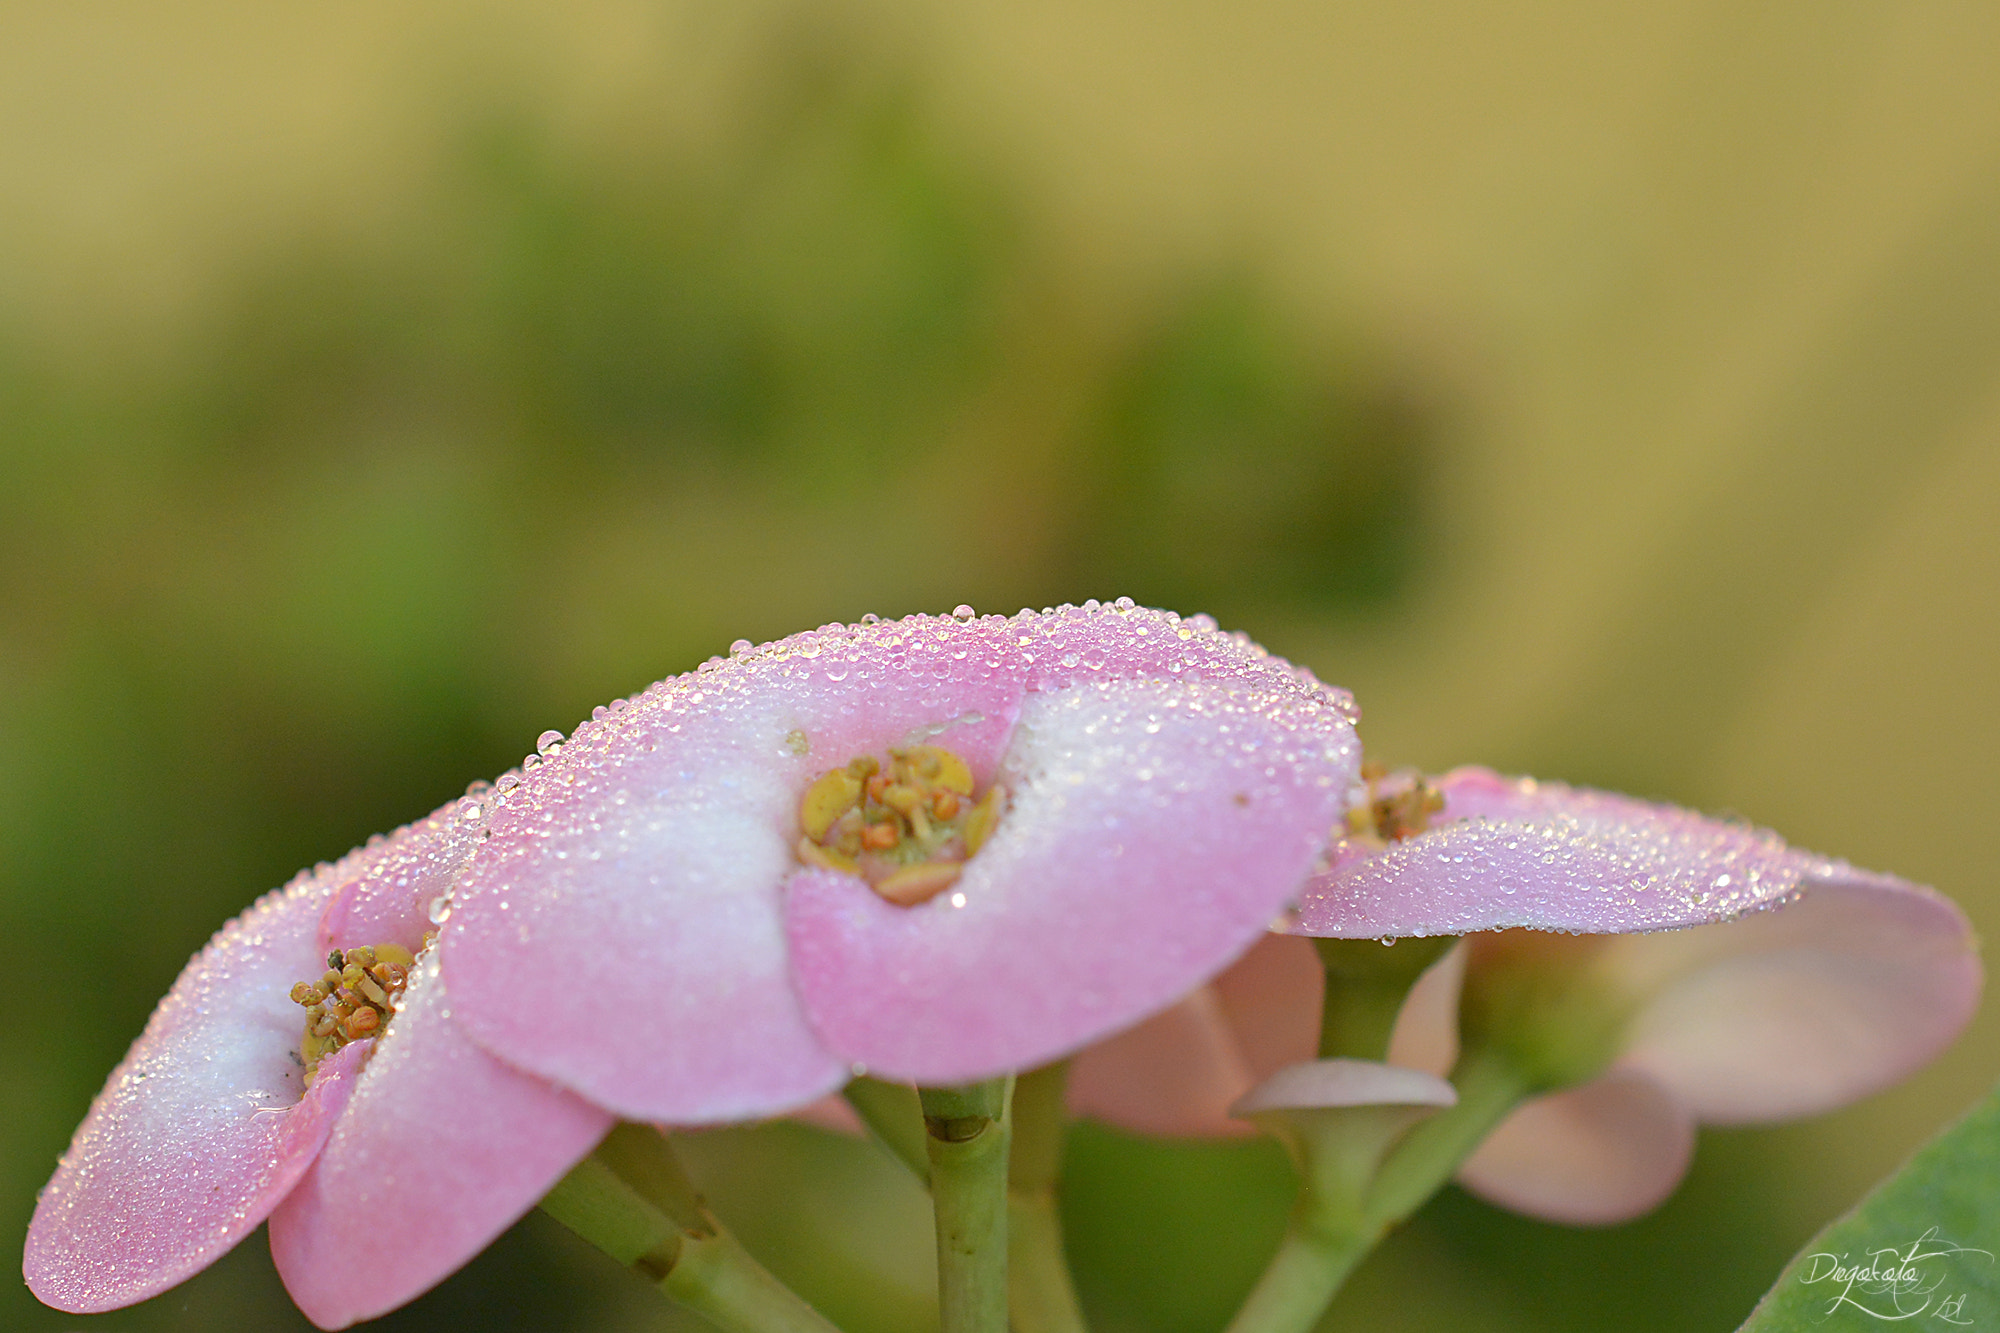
x: 1609, y: 394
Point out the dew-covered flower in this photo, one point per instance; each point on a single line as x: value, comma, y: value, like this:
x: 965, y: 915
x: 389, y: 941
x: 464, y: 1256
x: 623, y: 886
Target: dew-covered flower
x: 939, y: 849
x: 305, y: 1067
x: 1753, y: 982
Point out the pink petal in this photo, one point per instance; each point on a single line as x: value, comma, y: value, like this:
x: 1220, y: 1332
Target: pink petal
x: 441, y: 1149
x: 1154, y: 829
x: 1177, y: 1073
x: 1802, y: 1008
x: 202, y: 1129
x: 1319, y: 1084
x: 1602, y: 1153
x: 1426, y: 1033
x: 1273, y: 996
x: 1516, y: 852
x: 642, y: 867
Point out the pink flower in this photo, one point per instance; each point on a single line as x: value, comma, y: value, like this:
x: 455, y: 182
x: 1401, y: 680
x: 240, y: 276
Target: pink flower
x: 1773, y: 984
x: 943, y: 847
x: 756, y: 877
x: 409, y: 1151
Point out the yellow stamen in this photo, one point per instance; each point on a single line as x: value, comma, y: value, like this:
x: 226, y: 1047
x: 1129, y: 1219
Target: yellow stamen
x: 352, y: 1000
x: 905, y: 827
x: 918, y: 884
x: 979, y: 824
x: 826, y: 858
x: 830, y: 797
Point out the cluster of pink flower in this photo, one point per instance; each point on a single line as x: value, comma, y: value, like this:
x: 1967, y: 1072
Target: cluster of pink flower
x: 682, y: 916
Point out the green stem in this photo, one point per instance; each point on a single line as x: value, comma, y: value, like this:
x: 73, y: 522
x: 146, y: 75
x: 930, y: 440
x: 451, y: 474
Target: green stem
x: 1301, y: 1280
x: 967, y: 1130
x: 1489, y: 1087
x: 1347, y: 1202
x: 631, y: 1199
x: 1039, y: 1290
x: 894, y: 1117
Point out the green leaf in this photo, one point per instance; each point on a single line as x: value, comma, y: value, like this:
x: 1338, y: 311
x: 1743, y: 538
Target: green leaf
x: 1919, y: 1251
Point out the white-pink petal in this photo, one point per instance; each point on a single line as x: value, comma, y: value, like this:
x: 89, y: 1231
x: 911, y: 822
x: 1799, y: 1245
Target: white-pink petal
x: 1330, y: 1084
x: 203, y: 1128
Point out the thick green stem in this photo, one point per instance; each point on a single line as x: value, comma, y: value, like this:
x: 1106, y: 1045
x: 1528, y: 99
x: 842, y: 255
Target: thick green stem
x: 1039, y: 1290
x: 967, y: 1131
x: 631, y: 1200
x: 895, y: 1117
x: 1366, y: 984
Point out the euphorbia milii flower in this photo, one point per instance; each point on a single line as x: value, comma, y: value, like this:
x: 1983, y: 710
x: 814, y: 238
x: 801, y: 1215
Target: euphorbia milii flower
x: 1767, y: 983
x: 940, y: 848
x: 385, y: 1148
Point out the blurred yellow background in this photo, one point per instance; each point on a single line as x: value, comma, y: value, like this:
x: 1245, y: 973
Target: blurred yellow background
x: 1611, y: 394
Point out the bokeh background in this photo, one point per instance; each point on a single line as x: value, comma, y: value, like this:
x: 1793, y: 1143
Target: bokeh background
x: 1609, y: 393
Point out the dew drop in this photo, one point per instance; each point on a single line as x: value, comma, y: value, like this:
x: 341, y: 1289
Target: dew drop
x: 549, y: 744
x: 962, y: 612
x: 740, y: 647
x: 440, y: 911
x: 1069, y: 659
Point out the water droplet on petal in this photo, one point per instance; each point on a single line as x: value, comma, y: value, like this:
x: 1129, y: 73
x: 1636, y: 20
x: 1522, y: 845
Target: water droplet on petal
x: 549, y: 743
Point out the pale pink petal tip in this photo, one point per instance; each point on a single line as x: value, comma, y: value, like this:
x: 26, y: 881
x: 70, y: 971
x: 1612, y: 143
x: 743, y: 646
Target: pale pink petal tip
x: 443, y: 1149
x: 1858, y: 983
x: 655, y: 855
x: 1320, y: 1084
x: 1601, y: 1153
x: 1509, y: 852
x: 202, y: 1129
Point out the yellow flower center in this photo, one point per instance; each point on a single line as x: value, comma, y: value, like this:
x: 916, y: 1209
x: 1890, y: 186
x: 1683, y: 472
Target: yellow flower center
x: 907, y: 829
x: 1396, y: 806
x: 354, y: 998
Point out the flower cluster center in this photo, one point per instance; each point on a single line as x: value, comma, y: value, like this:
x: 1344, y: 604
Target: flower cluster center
x: 906, y: 828
x: 1394, y: 806
x: 353, y: 999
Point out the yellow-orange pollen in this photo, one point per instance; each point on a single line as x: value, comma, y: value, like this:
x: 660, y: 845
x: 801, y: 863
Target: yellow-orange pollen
x: 1396, y: 806
x: 907, y: 829
x: 353, y: 999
